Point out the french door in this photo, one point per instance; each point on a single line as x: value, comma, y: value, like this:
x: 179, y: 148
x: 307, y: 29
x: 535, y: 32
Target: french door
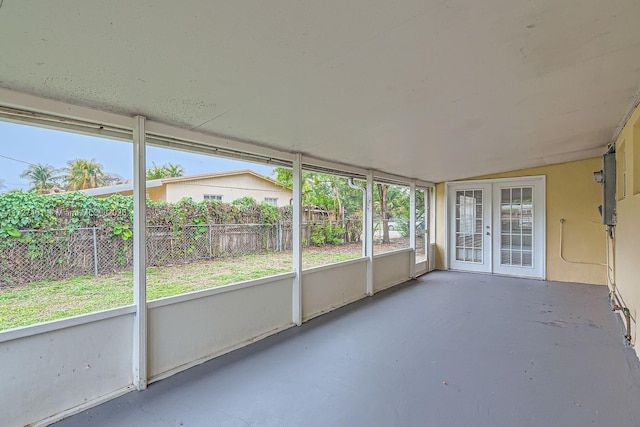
x: 497, y: 226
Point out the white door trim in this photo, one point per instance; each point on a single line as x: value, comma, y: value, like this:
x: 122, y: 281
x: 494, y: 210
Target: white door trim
x: 543, y: 219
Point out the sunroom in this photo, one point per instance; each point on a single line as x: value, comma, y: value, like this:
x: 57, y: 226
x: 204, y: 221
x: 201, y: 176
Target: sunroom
x: 488, y: 120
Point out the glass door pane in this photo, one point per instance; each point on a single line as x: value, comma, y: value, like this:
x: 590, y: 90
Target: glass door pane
x: 469, y: 218
x: 516, y: 226
x: 468, y: 226
x: 519, y: 238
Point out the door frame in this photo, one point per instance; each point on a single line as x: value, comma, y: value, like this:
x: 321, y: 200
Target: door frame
x: 543, y: 219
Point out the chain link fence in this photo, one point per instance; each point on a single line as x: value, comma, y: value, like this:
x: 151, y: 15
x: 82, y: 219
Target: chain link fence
x: 58, y: 254
x: 398, y: 230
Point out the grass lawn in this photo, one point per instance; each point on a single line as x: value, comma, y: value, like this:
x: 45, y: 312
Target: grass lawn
x: 50, y: 300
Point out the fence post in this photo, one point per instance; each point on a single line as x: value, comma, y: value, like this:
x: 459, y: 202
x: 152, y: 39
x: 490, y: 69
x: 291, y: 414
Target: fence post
x: 210, y: 243
x: 279, y: 236
x: 95, y: 253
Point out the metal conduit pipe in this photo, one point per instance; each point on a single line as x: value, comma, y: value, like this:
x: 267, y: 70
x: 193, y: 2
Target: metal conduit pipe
x: 364, y: 202
x: 562, y: 221
x: 618, y: 306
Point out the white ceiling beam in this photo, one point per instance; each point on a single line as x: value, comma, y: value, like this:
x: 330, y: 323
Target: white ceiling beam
x: 35, y: 104
x: 28, y: 109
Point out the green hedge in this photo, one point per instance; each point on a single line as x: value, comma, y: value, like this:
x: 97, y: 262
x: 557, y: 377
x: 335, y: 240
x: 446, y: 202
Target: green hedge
x: 73, y: 210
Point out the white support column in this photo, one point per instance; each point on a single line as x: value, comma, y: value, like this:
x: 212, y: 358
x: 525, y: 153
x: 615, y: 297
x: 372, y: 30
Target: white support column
x: 412, y: 228
x: 365, y: 232
x: 363, y: 207
x: 297, y: 240
x: 430, y: 216
x: 369, y: 234
x: 139, y: 256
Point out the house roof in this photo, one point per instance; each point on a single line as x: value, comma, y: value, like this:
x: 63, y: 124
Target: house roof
x: 118, y: 188
x: 112, y: 189
x: 427, y: 89
x: 185, y: 178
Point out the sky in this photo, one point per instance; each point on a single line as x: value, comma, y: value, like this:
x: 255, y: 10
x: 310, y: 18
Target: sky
x: 21, y: 145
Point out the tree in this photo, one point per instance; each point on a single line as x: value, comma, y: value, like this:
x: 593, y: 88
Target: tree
x: 173, y: 170
x: 111, y: 179
x: 393, y: 202
x: 42, y: 177
x: 155, y: 172
x: 334, y: 194
x: 82, y: 174
x: 324, y: 191
x: 168, y: 170
x: 384, y: 211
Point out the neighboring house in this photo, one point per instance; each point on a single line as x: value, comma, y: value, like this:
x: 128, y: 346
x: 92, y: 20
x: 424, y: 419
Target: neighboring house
x: 221, y: 186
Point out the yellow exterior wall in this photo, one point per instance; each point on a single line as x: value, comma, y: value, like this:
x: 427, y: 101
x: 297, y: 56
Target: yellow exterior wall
x: 230, y: 187
x: 573, y: 196
x: 626, y: 275
x: 157, y: 193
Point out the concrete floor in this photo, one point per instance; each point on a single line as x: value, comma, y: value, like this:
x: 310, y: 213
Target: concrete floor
x: 450, y: 349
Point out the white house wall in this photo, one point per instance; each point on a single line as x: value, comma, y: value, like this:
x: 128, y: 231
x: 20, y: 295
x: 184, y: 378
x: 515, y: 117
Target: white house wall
x: 229, y: 187
x: 329, y: 287
x: 192, y: 328
x: 45, y: 374
x: 391, y: 269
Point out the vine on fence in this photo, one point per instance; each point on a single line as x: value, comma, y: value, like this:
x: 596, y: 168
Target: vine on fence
x: 35, y: 227
x: 73, y: 210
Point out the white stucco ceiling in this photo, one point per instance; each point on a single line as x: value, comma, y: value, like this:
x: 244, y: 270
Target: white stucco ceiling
x: 435, y: 90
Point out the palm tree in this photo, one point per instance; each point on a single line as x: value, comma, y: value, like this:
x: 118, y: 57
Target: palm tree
x: 155, y: 172
x: 83, y: 174
x: 173, y: 170
x: 168, y: 170
x: 42, y: 177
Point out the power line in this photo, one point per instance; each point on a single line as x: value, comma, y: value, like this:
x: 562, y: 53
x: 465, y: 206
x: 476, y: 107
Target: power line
x: 16, y: 160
